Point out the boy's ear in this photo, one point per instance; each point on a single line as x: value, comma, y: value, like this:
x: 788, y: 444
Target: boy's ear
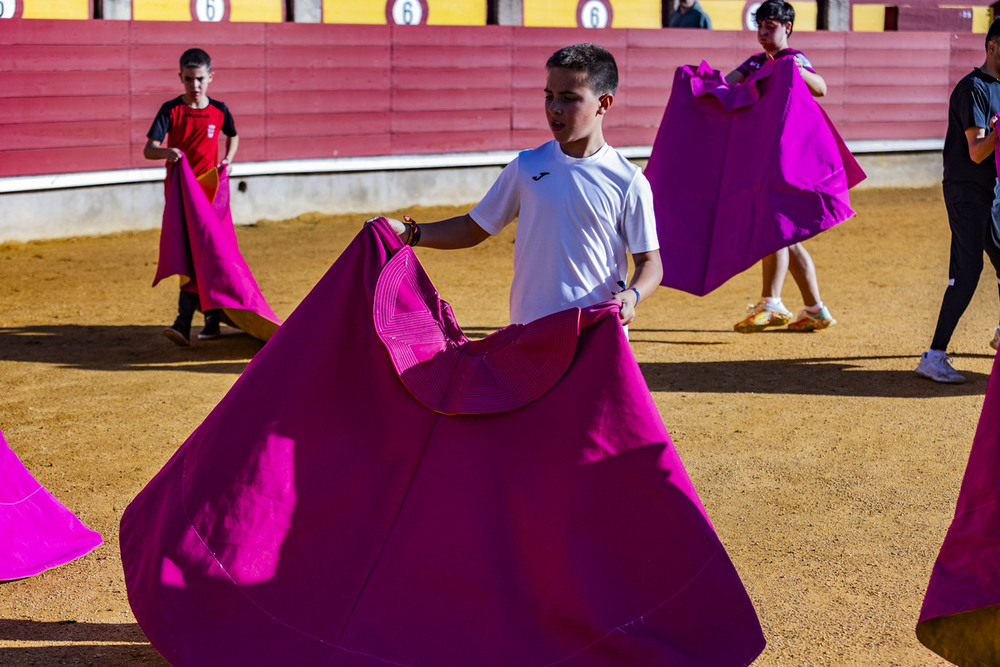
x: 605, y: 100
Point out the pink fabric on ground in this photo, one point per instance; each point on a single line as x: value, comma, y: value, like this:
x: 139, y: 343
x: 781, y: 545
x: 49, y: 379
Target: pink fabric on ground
x: 322, y: 514
x: 198, y: 243
x: 960, y: 617
x: 739, y: 171
x: 37, y: 532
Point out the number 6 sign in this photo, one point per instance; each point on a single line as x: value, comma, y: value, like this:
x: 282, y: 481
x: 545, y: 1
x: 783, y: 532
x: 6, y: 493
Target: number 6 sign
x: 593, y: 14
x: 406, y: 12
x: 209, y: 11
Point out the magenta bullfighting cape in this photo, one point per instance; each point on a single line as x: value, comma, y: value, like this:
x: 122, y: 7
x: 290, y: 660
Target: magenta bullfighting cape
x: 377, y: 489
x: 198, y: 243
x: 960, y: 617
x: 740, y: 171
x: 37, y: 532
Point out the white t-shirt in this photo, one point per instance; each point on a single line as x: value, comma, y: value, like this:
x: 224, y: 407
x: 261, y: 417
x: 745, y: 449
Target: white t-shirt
x: 578, y: 218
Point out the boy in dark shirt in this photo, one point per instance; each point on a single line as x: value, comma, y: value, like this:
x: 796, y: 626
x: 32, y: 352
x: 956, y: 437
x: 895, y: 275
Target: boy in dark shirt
x: 192, y: 124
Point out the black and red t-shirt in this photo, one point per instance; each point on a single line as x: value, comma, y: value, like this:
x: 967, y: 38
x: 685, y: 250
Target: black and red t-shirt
x: 193, y: 131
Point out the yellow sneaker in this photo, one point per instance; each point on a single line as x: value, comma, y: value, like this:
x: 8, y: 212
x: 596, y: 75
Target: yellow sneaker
x: 762, y: 315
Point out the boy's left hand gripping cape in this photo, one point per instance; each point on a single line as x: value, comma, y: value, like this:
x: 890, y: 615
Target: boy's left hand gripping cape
x: 377, y: 489
x: 37, y: 532
x: 198, y: 243
x: 960, y: 617
x: 739, y: 171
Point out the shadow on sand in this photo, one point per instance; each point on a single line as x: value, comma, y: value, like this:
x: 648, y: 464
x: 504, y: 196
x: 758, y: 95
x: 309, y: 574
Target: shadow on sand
x: 104, y: 644
x: 121, y: 348
x: 818, y: 376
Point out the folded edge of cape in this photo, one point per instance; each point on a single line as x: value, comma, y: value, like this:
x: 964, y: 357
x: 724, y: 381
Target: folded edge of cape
x: 37, y: 532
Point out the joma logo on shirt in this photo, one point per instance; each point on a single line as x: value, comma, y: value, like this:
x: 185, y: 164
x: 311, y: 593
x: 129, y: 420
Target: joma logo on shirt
x: 211, y: 131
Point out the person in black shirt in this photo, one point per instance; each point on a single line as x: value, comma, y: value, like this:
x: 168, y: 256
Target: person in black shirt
x: 970, y: 196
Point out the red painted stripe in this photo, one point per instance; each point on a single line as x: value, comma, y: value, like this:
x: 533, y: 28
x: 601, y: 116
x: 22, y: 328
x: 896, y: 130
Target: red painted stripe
x: 102, y: 133
x: 63, y: 160
x: 290, y: 148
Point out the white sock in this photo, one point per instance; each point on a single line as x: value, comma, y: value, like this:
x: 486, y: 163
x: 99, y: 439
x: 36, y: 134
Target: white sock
x: 816, y: 308
x: 772, y: 300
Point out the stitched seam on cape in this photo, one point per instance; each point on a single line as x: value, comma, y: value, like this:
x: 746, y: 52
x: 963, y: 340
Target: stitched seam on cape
x: 267, y: 613
x: 640, y: 617
x: 388, y: 535
x: 21, y: 500
x: 977, y: 507
x: 336, y: 645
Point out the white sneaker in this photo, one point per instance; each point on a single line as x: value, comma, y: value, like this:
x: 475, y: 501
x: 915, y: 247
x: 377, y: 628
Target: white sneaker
x: 995, y: 343
x: 935, y: 365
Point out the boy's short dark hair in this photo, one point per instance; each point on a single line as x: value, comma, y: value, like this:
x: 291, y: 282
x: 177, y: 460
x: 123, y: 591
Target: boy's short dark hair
x: 196, y: 58
x: 596, y: 61
x: 775, y: 10
x: 993, y: 34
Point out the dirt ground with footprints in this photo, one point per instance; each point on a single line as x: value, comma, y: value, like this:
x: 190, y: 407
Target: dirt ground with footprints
x: 829, y: 469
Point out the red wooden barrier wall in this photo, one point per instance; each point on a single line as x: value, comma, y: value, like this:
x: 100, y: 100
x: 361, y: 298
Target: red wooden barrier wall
x: 80, y: 96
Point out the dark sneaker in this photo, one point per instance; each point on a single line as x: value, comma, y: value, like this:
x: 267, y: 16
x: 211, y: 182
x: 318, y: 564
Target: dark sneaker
x: 176, y: 337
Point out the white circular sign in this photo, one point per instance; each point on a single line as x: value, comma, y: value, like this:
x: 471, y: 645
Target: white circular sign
x: 407, y: 12
x: 7, y: 9
x: 210, y: 11
x: 594, y: 14
x: 750, y: 21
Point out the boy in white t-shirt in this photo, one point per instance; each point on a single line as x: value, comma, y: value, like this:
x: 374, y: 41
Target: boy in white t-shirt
x: 581, y: 206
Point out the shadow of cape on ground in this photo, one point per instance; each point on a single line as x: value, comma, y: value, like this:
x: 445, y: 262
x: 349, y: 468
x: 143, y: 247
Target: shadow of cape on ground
x: 125, y: 348
x: 819, y: 376
x: 70, y: 642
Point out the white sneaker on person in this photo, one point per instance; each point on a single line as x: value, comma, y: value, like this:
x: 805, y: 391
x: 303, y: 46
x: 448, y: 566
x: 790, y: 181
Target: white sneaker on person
x: 995, y: 343
x: 935, y: 365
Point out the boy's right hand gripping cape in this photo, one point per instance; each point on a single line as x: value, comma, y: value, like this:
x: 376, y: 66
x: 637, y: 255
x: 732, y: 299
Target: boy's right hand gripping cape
x: 377, y: 489
x: 198, y: 243
x: 739, y: 171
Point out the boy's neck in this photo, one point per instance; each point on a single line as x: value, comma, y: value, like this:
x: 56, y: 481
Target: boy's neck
x: 991, y: 71
x: 582, y: 148
x: 188, y: 101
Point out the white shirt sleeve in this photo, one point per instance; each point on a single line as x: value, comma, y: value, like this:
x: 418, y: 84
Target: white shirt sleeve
x: 502, y: 203
x: 638, y: 218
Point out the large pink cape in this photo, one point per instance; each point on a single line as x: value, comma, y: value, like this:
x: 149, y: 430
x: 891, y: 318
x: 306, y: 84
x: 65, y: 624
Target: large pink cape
x: 740, y: 171
x: 37, y: 532
x: 960, y: 617
x: 376, y: 489
x: 198, y: 243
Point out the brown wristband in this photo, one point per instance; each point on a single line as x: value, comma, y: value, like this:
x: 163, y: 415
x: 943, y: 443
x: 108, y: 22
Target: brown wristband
x: 414, y: 231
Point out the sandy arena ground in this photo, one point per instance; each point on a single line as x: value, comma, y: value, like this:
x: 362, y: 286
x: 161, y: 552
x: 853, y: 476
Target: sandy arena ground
x: 829, y: 469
